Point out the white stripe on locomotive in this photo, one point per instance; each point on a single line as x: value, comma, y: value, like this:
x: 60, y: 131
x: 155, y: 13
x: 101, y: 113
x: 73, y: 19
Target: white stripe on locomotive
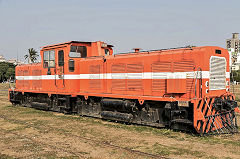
x: 144, y: 75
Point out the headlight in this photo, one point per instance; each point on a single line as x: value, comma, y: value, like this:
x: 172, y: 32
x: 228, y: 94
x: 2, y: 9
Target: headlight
x: 206, y: 83
x: 227, y: 83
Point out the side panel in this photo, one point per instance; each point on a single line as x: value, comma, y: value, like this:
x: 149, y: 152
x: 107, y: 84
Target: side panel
x: 142, y: 75
x: 176, y: 86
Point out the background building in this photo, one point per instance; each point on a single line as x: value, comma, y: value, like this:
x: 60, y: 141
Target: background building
x: 13, y: 61
x: 2, y: 59
x: 233, y: 49
x: 233, y: 43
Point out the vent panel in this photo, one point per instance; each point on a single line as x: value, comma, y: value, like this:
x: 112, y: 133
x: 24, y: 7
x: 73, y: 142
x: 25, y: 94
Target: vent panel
x: 19, y: 83
x: 161, y: 67
x: 94, y: 78
x: 190, y: 85
x: 183, y: 66
x: 26, y: 82
x: 118, y: 68
x: 217, y: 77
x: 159, y: 81
x: 118, y: 77
x: 134, y: 76
x: 37, y: 84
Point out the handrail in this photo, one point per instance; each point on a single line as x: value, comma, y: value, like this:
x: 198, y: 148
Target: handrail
x: 199, y: 69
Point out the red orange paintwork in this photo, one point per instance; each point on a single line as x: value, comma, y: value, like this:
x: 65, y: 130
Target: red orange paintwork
x: 170, y: 90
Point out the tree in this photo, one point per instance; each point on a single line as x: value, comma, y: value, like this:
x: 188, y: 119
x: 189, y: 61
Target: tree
x: 10, y: 73
x: 235, y: 76
x: 3, y: 68
x: 7, y: 70
x: 32, y: 55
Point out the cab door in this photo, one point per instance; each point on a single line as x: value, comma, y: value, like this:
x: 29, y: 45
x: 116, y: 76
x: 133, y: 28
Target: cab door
x: 59, y: 71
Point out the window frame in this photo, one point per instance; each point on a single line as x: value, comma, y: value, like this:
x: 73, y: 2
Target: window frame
x: 73, y: 61
x: 77, y: 49
x: 59, y: 51
x: 106, y: 50
x: 48, y: 60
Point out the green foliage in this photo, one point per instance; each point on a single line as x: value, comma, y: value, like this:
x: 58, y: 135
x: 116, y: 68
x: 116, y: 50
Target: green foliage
x: 32, y: 55
x: 235, y: 76
x: 10, y: 73
x: 7, y: 70
x: 234, y: 54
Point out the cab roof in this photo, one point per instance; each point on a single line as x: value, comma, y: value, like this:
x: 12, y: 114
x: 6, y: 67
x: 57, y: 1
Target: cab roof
x: 70, y: 42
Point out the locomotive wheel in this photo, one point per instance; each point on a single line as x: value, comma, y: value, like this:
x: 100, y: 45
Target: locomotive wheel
x: 181, y: 125
x: 55, y: 105
x: 26, y: 100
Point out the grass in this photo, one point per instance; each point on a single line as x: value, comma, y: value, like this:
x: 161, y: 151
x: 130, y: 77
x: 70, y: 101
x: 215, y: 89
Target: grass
x: 167, y: 150
x: 3, y: 156
x: 219, y: 140
x: 65, y: 126
x: 6, y: 86
x: 134, y: 128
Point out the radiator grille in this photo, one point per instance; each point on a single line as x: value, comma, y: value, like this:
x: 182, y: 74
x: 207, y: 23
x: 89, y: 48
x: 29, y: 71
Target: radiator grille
x: 217, y: 73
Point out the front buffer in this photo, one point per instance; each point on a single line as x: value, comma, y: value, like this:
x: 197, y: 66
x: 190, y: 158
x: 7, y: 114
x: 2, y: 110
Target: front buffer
x: 215, y: 115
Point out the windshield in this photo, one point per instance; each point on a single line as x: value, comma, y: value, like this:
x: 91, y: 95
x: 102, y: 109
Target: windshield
x: 78, y: 51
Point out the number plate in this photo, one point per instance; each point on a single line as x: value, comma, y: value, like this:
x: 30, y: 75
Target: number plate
x: 183, y: 103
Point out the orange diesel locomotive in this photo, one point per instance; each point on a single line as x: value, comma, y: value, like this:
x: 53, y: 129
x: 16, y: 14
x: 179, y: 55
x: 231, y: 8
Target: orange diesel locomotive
x: 179, y: 88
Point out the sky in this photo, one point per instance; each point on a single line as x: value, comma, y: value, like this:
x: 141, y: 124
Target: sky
x: 126, y: 24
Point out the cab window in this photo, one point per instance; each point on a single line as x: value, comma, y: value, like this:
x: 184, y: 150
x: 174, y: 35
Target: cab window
x: 71, y: 65
x: 78, y: 51
x: 60, y: 58
x: 49, y: 58
x: 107, y: 52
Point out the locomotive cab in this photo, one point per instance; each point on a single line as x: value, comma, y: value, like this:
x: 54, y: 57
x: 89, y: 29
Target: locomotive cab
x: 73, y: 49
x: 61, y: 61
